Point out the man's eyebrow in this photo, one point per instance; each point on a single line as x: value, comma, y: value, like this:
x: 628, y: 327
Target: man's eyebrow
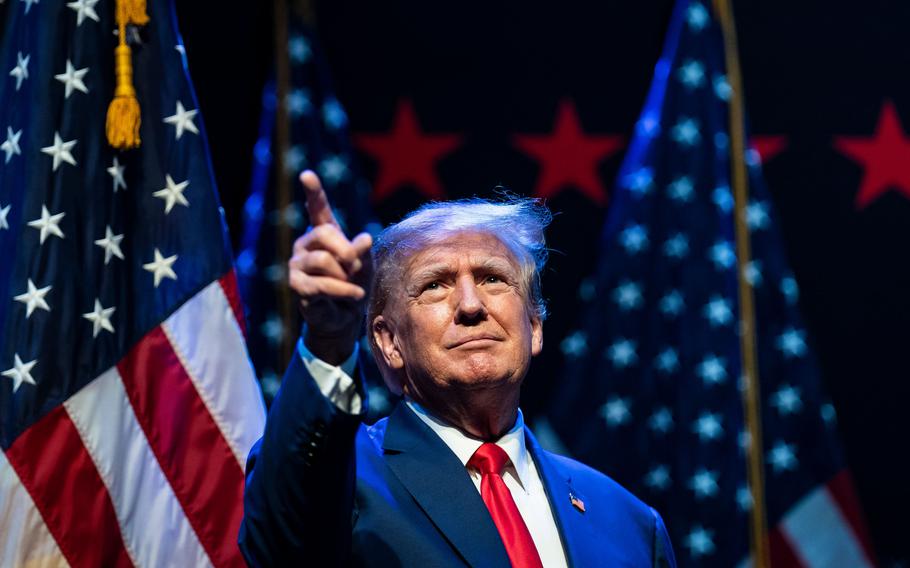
x: 430, y: 272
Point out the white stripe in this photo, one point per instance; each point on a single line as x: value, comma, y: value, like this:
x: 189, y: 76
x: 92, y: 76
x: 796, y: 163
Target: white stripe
x: 155, y: 529
x: 820, y: 535
x: 24, y: 538
x: 208, y: 340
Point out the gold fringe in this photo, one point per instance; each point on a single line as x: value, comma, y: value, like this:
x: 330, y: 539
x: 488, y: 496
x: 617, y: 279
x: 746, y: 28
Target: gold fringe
x: 123, y: 114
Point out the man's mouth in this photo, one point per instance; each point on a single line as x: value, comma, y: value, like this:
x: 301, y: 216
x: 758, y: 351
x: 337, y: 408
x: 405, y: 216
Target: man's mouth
x: 477, y: 340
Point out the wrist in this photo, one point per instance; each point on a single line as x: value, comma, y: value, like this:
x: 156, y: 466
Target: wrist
x: 333, y: 348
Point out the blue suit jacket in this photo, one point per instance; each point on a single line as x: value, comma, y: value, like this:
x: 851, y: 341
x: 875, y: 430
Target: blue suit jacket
x: 324, y: 490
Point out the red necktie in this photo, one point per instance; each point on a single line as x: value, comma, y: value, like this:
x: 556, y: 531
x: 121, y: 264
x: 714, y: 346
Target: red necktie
x: 490, y: 460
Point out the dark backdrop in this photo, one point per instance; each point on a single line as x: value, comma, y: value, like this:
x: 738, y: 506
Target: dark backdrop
x: 488, y: 71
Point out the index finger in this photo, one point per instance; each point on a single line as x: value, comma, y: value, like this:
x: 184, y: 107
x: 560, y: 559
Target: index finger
x: 317, y: 204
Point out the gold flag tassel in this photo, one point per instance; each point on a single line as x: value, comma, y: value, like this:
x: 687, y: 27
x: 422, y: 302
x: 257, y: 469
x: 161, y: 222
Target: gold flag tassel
x: 123, y: 114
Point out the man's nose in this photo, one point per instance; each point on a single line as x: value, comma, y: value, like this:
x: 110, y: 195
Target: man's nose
x: 469, y: 307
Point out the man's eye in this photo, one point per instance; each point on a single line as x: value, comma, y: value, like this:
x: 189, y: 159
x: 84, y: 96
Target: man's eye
x: 492, y: 279
x: 432, y: 286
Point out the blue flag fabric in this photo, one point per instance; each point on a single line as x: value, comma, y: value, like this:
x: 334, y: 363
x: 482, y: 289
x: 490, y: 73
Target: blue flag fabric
x: 319, y: 140
x: 652, y: 392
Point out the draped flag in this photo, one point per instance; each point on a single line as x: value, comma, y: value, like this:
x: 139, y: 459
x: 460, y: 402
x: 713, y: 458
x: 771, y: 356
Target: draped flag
x: 127, y: 400
x: 652, y: 393
x: 317, y: 138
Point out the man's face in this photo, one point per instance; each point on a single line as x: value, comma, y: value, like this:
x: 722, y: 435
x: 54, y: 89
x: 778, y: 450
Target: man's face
x: 460, y: 319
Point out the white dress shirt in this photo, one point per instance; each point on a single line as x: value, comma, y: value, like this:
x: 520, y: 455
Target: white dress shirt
x: 520, y: 476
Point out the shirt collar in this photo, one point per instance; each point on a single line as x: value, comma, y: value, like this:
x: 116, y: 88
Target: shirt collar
x: 464, y: 446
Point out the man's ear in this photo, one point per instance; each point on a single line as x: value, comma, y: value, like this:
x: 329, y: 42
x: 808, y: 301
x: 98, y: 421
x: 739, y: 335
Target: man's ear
x: 384, y: 336
x: 536, y: 336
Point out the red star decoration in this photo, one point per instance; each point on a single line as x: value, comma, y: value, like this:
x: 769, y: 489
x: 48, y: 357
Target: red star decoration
x: 884, y: 156
x: 768, y: 146
x: 568, y: 157
x: 406, y: 155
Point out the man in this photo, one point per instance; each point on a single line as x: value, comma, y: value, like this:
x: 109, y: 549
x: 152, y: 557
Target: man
x: 452, y: 477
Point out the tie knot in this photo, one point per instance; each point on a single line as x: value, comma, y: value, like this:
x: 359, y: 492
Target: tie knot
x: 489, y: 458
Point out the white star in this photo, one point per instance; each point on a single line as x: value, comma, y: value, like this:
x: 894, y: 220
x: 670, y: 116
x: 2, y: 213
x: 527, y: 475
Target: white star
x: 28, y: 4
x: 628, y: 296
x: 11, y: 145
x: 616, y: 411
x: 667, y: 361
x: 20, y: 71
x: 587, y: 289
x: 711, y: 370
x: 574, y: 345
x: 696, y: 17
x: 681, y: 189
x: 298, y: 102
x: 744, y: 440
x: 782, y: 457
x: 182, y: 119
x: 72, y: 79
x: 84, y: 9
x: 161, y: 267
x: 700, y: 541
x: 333, y: 115
x: 273, y: 329
x: 752, y: 273
x: 634, y: 239
x: 722, y: 88
x: 753, y: 158
x: 33, y: 298
x: 333, y: 169
x: 60, y: 150
x: 691, y: 74
x: 721, y: 141
x: 708, y: 427
x: 718, y: 312
x: 829, y: 415
x: 648, y: 125
x: 686, y: 132
x: 172, y: 193
x: 658, y: 478
x: 672, y: 304
x: 294, y: 159
x: 4, y: 211
x: 723, y: 198
x: 677, y: 246
x: 275, y: 273
x: 757, y: 215
x: 792, y: 343
x: 116, y: 172
x: 787, y: 400
x: 704, y: 484
x: 100, y: 318
x: 722, y: 255
x: 744, y: 498
x: 661, y: 421
x: 20, y: 372
x: 640, y: 181
x: 622, y: 353
x: 111, y: 244
x: 290, y: 216
x: 47, y: 224
x: 789, y: 289
x: 299, y: 49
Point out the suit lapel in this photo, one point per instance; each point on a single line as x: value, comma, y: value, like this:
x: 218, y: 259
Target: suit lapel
x: 578, y: 537
x: 437, y: 480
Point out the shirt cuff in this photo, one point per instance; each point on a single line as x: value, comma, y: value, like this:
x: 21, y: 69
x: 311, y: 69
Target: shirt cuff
x: 334, y: 382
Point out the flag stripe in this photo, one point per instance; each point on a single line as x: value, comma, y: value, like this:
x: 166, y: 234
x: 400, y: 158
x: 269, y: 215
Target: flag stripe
x: 232, y: 292
x: 58, y: 472
x: 24, y: 538
x: 206, y: 337
x: 841, y: 488
x: 139, y: 490
x: 199, y: 464
x: 782, y: 552
x: 820, y: 534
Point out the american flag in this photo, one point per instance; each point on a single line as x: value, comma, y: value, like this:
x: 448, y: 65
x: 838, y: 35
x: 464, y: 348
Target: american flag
x: 127, y: 401
x: 652, y: 393
x: 317, y: 139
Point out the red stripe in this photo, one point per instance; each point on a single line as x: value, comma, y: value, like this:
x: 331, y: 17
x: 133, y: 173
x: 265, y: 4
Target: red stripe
x: 61, y: 477
x: 193, y: 454
x: 232, y: 292
x: 841, y: 489
x: 783, y: 554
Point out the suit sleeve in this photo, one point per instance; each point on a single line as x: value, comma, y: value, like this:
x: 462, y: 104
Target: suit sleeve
x: 300, y: 479
x: 663, y: 551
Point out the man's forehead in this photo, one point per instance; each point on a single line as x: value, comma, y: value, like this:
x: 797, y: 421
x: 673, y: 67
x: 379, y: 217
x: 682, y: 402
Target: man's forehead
x: 477, y: 249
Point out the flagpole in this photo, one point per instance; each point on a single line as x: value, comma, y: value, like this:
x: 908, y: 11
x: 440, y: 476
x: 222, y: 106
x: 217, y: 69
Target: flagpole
x: 750, y: 392
x: 282, y: 181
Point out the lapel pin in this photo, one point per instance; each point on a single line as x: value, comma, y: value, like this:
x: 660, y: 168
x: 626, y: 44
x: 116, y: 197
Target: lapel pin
x: 576, y: 502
